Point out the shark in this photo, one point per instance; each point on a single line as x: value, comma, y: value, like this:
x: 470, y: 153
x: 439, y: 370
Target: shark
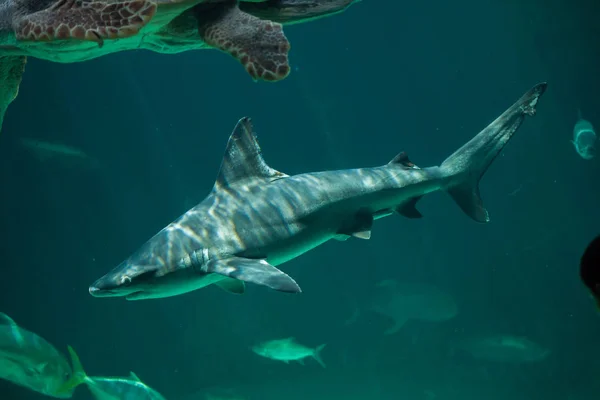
x: 256, y: 218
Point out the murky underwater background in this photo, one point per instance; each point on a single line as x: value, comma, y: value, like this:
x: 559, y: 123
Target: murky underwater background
x: 384, y: 76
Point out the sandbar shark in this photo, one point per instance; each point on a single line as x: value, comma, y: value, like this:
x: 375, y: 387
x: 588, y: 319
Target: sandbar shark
x: 256, y: 218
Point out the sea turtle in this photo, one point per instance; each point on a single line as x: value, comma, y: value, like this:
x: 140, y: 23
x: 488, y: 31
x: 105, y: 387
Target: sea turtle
x: 78, y: 30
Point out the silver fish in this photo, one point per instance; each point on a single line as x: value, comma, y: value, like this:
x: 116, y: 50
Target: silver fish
x: 113, y: 388
x: 28, y: 360
x: 287, y: 350
x: 504, y: 348
x: 404, y: 301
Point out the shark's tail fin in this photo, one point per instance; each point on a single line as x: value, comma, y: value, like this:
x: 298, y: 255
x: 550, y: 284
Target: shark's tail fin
x: 467, y: 165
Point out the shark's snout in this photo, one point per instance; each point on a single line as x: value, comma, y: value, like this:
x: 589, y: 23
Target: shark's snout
x: 111, y: 285
x: 101, y: 289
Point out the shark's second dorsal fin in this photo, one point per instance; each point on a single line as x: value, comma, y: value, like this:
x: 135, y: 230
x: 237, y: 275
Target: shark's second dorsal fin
x: 243, y: 159
x: 402, y: 159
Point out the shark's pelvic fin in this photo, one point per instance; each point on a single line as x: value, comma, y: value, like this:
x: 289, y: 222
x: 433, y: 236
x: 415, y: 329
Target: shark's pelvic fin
x: 359, y: 226
x: 259, y: 272
x: 466, y: 166
x: 232, y: 286
x: 243, y: 159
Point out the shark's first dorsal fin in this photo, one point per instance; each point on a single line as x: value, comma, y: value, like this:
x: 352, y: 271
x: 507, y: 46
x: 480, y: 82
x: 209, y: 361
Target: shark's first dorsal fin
x: 243, y: 159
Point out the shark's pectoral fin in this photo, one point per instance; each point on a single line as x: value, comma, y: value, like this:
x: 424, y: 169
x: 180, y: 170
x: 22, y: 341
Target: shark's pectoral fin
x: 259, y: 272
x: 301, y: 361
x: 232, y: 286
x: 409, y: 209
x: 359, y: 226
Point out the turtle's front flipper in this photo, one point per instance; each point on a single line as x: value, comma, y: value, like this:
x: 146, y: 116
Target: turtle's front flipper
x: 260, y: 46
x: 93, y: 20
x: 11, y: 72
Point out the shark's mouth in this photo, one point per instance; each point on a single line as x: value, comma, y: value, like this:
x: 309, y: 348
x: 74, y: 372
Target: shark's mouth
x: 139, y: 295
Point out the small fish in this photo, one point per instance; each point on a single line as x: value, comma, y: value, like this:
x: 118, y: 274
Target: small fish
x: 504, y: 348
x: 44, y: 151
x: 28, y: 360
x: 403, y: 301
x: 287, y: 350
x: 584, y: 138
x: 589, y: 269
x: 112, y: 388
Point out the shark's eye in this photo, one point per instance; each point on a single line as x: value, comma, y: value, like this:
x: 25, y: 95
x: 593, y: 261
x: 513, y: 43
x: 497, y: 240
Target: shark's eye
x: 126, y: 281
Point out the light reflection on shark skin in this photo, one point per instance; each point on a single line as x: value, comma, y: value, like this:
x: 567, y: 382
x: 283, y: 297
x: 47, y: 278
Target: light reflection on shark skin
x: 256, y: 218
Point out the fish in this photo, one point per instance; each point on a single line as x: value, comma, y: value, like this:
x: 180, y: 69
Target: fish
x: 44, y: 151
x: 503, y: 348
x: 28, y: 360
x: 589, y: 269
x: 404, y: 301
x: 256, y: 218
x: 112, y: 388
x: 584, y: 138
x: 287, y: 350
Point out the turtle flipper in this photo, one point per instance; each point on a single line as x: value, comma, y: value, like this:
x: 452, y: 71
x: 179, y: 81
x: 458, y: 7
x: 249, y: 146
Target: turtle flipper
x: 259, y: 45
x: 11, y: 72
x: 93, y: 20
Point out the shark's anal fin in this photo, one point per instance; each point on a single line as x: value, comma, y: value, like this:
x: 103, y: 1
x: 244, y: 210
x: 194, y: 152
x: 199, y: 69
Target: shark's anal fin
x: 359, y: 226
x: 232, y: 286
x: 259, y: 272
x: 409, y: 209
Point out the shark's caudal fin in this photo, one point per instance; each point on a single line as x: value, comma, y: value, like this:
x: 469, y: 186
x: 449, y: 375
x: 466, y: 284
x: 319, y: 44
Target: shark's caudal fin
x: 467, y: 165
